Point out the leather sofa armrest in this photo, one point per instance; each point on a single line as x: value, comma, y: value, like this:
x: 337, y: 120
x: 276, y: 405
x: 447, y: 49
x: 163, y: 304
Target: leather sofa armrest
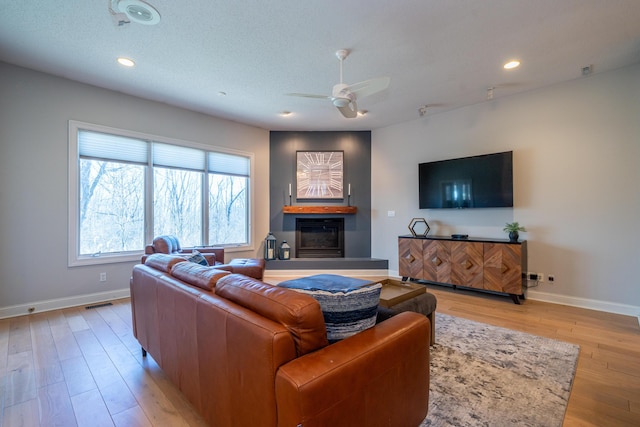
x: 206, y: 251
x: 378, y: 374
x: 213, y: 255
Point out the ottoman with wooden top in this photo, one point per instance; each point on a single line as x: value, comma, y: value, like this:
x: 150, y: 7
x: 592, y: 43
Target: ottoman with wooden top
x: 397, y: 297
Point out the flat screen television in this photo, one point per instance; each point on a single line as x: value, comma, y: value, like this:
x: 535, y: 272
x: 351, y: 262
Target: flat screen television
x: 484, y: 181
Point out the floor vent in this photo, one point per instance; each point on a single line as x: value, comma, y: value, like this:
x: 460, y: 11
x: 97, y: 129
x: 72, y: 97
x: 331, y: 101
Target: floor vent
x: 106, y: 304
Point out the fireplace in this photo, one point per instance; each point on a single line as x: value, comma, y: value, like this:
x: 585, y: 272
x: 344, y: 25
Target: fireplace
x: 319, y: 237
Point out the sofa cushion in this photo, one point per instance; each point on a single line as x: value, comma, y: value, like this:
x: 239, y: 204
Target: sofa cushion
x: 299, y: 313
x: 349, y: 305
x: 163, y: 262
x: 166, y: 244
x: 198, y: 258
x: 198, y: 275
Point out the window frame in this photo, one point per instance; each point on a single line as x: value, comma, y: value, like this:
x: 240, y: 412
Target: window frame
x: 73, y: 195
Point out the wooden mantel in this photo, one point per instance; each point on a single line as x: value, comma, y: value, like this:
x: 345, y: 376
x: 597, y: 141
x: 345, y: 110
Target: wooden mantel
x: 319, y: 209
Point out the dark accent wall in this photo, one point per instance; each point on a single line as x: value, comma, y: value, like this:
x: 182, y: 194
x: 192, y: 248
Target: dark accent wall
x: 357, y: 171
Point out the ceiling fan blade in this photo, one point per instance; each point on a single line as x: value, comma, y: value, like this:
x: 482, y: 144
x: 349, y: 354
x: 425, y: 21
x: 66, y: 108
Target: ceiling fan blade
x: 308, y: 95
x: 369, y: 87
x: 350, y: 111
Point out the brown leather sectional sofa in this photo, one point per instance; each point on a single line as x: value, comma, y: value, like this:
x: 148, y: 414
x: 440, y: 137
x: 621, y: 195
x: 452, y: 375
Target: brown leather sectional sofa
x: 246, y: 353
x: 167, y: 244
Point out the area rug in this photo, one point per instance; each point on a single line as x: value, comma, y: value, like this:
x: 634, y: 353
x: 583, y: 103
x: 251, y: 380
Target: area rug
x: 483, y: 375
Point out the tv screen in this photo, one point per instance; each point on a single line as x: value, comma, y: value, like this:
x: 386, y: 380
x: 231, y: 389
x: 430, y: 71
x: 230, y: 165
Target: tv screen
x: 484, y: 181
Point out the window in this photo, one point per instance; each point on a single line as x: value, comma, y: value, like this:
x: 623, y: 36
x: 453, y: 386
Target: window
x: 125, y: 188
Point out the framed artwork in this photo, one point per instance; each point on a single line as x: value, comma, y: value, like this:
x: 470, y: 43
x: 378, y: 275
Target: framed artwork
x: 319, y: 174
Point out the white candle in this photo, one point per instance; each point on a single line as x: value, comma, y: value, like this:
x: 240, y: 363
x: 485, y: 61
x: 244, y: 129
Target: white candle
x: 289, y: 189
x: 349, y: 191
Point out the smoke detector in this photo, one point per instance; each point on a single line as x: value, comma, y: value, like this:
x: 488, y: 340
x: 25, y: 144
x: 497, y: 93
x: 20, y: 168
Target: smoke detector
x: 139, y: 11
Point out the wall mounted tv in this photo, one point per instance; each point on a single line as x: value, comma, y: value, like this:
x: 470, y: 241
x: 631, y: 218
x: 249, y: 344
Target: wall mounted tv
x: 484, y: 181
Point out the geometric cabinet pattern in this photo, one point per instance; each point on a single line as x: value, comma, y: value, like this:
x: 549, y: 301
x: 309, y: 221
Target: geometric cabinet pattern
x: 410, y: 257
x: 481, y: 264
x: 502, y: 268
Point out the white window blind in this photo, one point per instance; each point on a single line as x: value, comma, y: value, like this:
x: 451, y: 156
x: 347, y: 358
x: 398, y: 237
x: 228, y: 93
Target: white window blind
x: 228, y: 164
x: 102, y: 146
x: 175, y: 156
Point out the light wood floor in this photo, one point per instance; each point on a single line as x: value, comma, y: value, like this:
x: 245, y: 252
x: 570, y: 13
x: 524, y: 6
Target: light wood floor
x: 83, y: 367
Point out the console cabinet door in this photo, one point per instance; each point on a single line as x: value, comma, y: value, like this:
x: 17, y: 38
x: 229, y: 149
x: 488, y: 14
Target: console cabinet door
x: 437, y: 260
x: 467, y: 264
x: 410, y: 258
x: 502, y: 268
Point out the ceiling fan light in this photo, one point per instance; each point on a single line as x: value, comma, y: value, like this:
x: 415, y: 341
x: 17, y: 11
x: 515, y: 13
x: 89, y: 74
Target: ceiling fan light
x: 341, y: 102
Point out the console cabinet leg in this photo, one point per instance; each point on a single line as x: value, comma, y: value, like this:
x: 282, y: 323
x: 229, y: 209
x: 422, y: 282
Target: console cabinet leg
x: 515, y: 298
x: 144, y: 352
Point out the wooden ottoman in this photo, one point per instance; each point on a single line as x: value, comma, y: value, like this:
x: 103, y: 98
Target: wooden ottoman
x: 397, y: 297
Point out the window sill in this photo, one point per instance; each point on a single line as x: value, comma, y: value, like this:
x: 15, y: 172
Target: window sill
x: 105, y: 259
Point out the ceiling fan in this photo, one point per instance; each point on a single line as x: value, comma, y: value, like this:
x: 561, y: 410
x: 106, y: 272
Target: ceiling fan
x: 344, y: 96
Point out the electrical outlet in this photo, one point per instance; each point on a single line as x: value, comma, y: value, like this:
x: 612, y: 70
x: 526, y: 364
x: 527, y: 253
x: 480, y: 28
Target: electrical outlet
x: 551, y: 278
x: 103, y: 277
x: 540, y: 277
x: 532, y: 276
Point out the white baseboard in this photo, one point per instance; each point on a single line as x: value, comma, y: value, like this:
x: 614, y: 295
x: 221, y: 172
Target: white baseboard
x: 58, y: 303
x: 609, y: 307
x: 591, y: 304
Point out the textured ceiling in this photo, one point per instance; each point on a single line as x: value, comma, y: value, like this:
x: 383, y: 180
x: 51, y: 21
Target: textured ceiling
x: 444, y: 54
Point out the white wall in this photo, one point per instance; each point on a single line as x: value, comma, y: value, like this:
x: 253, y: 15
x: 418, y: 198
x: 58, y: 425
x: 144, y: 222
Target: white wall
x: 35, y: 109
x: 576, y: 183
x: 576, y: 150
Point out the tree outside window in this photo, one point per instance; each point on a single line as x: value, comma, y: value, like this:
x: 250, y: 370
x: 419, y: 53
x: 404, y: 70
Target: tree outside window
x: 125, y: 184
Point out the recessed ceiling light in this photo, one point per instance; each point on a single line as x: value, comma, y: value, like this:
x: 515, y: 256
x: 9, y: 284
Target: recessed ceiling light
x: 139, y: 11
x: 221, y: 93
x: 362, y: 113
x: 512, y: 64
x: 126, y: 62
x: 285, y: 113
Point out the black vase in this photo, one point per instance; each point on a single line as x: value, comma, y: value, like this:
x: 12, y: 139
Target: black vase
x: 513, y: 236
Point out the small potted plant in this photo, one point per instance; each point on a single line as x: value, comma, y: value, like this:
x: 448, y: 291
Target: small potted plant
x: 512, y: 228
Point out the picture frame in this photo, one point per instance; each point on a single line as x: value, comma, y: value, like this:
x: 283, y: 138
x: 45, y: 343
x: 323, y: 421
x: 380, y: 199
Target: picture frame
x: 319, y: 174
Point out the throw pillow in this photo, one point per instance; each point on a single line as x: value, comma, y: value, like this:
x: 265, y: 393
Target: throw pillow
x: 198, y: 258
